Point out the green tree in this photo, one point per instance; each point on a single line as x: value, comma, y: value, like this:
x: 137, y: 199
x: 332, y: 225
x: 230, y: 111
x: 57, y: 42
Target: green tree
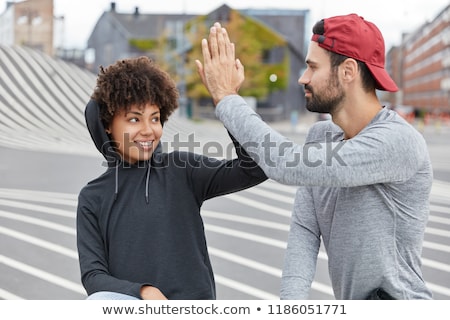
x: 254, y: 43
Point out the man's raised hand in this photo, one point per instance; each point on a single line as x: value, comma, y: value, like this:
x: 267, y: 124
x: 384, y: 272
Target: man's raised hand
x: 221, y: 73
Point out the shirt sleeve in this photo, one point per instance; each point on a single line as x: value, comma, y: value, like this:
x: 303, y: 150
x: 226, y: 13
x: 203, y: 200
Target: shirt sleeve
x: 302, y: 249
x: 382, y: 152
x: 212, y: 177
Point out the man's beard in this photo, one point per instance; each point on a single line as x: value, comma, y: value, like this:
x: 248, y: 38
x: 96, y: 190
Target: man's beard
x: 327, y: 100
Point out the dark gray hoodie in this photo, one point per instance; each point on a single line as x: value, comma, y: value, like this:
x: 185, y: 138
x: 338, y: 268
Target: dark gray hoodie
x: 140, y: 224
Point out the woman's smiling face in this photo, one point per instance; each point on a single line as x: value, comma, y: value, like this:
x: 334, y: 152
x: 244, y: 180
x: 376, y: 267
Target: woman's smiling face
x: 136, y: 132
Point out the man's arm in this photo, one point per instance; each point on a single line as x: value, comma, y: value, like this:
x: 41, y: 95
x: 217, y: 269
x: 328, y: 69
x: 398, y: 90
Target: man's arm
x: 302, y: 248
x: 387, y: 154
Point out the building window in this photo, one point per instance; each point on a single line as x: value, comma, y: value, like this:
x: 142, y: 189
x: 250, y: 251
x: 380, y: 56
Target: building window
x: 273, y: 55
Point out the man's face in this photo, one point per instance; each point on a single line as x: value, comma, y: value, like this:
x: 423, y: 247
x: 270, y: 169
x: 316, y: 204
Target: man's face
x: 136, y: 132
x: 323, y: 91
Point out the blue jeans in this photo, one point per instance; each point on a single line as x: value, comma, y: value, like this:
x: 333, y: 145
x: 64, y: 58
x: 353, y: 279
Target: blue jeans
x: 108, y: 295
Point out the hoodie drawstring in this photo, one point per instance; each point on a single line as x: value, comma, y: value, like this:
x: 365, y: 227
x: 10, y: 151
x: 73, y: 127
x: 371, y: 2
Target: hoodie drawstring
x: 116, y: 190
x: 147, y: 179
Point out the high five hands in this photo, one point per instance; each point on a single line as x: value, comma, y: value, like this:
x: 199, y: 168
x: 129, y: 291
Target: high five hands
x: 221, y: 73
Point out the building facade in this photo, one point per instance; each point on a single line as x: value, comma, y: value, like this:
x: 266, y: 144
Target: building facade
x: 291, y: 25
x: 123, y: 35
x: 120, y: 35
x: 28, y: 23
x: 394, y: 60
x: 426, y: 66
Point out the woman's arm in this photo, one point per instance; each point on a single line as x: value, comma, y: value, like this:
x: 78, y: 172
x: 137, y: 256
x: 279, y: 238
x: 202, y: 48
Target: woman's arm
x: 92, y: 254
x: 211, y: 177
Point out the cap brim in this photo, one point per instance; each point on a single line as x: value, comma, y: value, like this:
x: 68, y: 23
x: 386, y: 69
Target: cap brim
x: 384, y: 81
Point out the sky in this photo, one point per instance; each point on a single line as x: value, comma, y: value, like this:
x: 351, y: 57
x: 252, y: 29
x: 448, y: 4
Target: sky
x: 393, y: 17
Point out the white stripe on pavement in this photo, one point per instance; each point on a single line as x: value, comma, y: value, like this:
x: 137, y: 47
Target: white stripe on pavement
x: 272, y: 195
x: 37, y: 198
x: 439, y: 289
x: 436, y: 265
x: 239, y: 286
x: 436, y: 246
x: 440, y: 209
x: 441, y: 220
x: 245, y: 262
x: 246, y: 236
x: 8, y: 295
x: 38, y: 222
x: 259, y: 205
x: 245, y: 220
x: 47, y: 194
x: 437, y: 232
x: 38, y: 208
x: 41, y: 274
x: 39, y: 242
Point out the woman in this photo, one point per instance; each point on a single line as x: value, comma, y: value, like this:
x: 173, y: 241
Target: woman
x: 139, y: 230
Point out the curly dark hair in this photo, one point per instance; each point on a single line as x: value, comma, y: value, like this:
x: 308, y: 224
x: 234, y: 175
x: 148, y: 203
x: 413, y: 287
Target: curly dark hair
x: 134, y: 81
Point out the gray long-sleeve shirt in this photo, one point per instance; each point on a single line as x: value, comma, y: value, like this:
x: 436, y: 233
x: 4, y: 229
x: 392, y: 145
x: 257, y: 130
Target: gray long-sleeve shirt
x: 366, y: 197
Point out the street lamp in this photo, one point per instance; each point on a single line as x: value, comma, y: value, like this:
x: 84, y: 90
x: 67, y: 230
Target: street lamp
x: 273, y: 78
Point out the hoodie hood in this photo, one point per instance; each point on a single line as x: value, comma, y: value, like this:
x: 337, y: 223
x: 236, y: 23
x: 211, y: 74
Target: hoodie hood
x: 98, y: 134
x: 107, y: 148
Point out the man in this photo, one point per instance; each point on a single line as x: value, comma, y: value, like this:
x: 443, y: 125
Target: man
x: 364, y: 177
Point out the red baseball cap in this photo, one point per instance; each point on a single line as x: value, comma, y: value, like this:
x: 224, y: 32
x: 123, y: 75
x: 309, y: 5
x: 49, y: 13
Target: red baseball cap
x: 356, y: 38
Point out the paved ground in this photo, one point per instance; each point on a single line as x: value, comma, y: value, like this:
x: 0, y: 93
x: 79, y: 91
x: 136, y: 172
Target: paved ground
x: 246, y: 232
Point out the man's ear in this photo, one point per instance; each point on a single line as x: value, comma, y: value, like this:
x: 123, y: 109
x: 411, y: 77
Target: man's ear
x: 349, y: 69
